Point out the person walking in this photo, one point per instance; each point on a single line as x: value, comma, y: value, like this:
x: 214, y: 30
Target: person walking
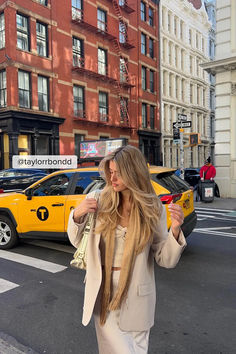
x: 129, y: 234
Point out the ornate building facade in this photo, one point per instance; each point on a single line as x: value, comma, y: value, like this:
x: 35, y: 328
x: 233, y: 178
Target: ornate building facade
x: 224, y: 68
x: 184, y: 29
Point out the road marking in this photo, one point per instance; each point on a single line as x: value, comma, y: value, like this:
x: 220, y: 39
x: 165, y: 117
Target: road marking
x: 6, y: 285
x: 53, y: 246
x: 214, y: 233
x: 32, y: 262
x: 213, y: 209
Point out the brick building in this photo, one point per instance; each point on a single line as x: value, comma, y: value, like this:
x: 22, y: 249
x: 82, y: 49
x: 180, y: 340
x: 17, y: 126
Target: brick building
x: 75, y: 70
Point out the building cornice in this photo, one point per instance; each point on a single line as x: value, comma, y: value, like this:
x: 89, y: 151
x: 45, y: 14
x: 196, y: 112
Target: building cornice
x: 221, y: 65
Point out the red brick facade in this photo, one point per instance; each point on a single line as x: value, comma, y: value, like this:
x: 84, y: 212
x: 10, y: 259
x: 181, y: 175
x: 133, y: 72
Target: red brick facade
x: 59, y: 121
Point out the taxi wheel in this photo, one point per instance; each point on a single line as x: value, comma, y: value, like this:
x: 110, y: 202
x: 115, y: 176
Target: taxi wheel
x: 8, y: 234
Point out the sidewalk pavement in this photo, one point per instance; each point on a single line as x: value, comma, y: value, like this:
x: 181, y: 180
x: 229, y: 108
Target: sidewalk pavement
x: 218, y: 203
x: 9, y: 345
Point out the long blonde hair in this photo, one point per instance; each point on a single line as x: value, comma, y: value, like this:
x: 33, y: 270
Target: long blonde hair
x: 145, y: 205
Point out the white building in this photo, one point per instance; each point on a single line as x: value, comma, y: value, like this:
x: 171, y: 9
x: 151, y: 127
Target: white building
x: 184, y: 29
x: 224, y: 67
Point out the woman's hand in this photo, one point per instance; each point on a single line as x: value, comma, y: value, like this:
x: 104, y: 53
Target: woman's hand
x: 88, y: 205
x: 177, y: 218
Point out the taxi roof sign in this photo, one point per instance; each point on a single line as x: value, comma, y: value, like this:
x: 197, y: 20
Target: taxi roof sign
x: 94, y: 150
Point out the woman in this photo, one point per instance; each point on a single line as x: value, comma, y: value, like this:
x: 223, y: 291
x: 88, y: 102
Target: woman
x: 130, y: 232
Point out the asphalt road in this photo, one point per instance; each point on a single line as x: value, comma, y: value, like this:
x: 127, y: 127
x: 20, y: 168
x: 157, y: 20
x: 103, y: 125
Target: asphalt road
x: 41, y: 297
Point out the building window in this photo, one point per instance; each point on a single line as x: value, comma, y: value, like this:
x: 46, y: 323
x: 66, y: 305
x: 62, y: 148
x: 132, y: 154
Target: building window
x: 181, y: 29
x: 143, y: 44
x: 151, y: 16
x: 24, y: 89
x: 103, y: 106
x: 191, y: 93
x: 77, y: 140
x: 144, y: 78
x: 78, y: 52
x: 190, y: 36
x: 169, y: 22
x: 102, y: 61
x: 124, y: 110
x: 151, y: 47
x: 2, y: 31
x: 22, y: 25
x: 123, y: 70
x: 122, y: 32
x: 42, y: 39
x: 3, y: 89
x: 43, y: 2
x: 143, y: 11
x: 144, y: 115
x: 79, y: 101
x: 102, y: 20
x: 43, y: 96
x: 152, y: 117
x: 151, y: 81
x: 77, y: 9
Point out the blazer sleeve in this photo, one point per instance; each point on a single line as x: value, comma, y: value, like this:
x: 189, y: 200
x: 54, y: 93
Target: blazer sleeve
x: 74, y: 230
x: 166, y: 249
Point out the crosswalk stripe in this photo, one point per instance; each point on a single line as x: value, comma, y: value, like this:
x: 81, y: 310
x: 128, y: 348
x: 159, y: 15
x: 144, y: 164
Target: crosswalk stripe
x: 33, y: 262
x: 6, y: 285
x: 53, y: 246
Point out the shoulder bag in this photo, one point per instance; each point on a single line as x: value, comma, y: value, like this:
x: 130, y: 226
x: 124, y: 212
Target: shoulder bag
x: 79, y: 260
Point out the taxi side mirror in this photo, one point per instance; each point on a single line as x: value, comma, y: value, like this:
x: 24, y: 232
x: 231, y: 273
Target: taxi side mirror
x: 29, y: 193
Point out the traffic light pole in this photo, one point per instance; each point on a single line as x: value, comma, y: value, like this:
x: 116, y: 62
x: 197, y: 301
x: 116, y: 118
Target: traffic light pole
x: 181, y: 145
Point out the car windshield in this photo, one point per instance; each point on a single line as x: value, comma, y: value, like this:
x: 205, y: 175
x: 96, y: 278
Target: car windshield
x: 170, y: 181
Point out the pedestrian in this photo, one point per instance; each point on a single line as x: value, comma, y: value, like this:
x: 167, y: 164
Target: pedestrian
x: 208, y: 171
x: 129, y: 234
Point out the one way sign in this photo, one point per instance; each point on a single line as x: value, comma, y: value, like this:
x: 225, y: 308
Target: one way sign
x: 186, y: 124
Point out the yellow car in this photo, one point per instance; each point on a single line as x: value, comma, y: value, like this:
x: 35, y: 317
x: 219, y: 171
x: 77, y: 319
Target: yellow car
x: 42, y: 210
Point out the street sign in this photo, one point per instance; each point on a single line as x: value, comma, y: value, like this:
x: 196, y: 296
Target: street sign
x: 176, y: 134
x: 182, y: 117
x: 181, y: 124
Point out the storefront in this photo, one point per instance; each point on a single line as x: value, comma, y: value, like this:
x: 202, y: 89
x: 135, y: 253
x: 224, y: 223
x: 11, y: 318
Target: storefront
x: 150, y: 145
x: 27, y: 134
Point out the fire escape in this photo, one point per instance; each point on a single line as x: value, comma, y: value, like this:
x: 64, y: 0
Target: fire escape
x: 80, y: 67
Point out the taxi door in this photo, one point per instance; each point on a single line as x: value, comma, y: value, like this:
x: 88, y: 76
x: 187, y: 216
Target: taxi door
x: 45, y: 211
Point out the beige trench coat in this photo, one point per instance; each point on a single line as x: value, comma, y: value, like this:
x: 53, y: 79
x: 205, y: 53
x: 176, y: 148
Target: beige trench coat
x: 137, y: 311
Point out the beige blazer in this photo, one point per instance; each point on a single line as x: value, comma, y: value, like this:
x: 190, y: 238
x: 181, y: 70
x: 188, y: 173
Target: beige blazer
x: 137, y: 311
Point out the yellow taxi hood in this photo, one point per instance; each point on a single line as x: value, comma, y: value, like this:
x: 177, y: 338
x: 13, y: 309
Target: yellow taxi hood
x: 160, y: 169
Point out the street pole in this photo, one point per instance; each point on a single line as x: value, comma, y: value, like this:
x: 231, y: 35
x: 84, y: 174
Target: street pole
x: 181, y: 145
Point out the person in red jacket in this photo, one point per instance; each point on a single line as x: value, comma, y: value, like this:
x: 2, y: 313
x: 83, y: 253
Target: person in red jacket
x: 208, y: 171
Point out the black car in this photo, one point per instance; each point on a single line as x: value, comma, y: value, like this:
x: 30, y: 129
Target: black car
x: 191, y: 175
x: 13, y: 179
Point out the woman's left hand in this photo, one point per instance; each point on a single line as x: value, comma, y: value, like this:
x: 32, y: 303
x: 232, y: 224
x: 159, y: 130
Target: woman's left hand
x: 177, y: 218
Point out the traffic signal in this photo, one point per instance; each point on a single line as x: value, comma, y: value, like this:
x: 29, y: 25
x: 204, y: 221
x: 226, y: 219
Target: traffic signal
x: 194, y: 139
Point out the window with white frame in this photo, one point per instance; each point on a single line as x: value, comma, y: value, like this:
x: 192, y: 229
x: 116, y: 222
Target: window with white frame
x: 79, y: 101
x: 78, y: 52
x: 24, y: 89
x: 77, y: 9
x: 43, y: 93
x: 151, y: 81
x: 151, y: 16
x: 22, y: 26
x: 143, y: 44
x: 123, y: 109
x: 103, y: 106
x: 144, y: 78
x: 143, y: 11
x: 151, y: 48
x: 2, y: 30
x: 3, y: 89
x: 102, y: 20
x: 123, y: 70
x: 152, y: 117
x: 102, y: 61
x: 122, y: 32
x: 43, y: 2
x: 144, y: 115
x: 42, y: 39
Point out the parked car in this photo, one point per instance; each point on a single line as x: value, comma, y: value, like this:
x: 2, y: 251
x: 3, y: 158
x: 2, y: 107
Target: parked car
x: 42, y: 210
x: 13, y: 179
x: 191, y: 175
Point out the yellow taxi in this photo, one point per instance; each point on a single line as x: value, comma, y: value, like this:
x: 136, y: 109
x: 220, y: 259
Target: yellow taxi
x: 42, y: 210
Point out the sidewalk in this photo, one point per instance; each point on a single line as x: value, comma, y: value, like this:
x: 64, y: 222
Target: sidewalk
x: 218, y: 203
x: 9, y: 345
